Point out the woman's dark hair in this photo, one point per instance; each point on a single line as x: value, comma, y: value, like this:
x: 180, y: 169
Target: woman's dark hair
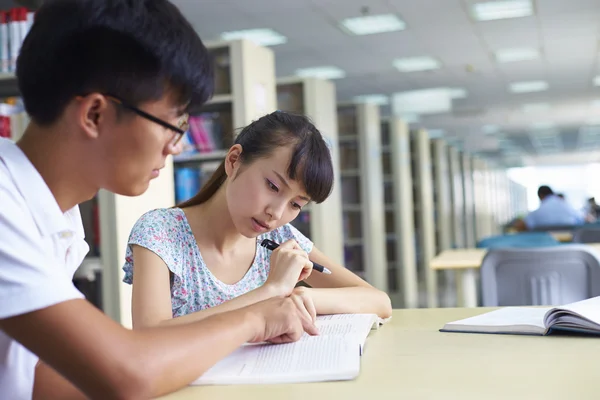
x: 310, y: 163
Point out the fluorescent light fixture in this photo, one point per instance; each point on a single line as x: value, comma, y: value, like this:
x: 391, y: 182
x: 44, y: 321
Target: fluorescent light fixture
x: 426, y: 101
x: 261, y: 37
x: 457, y: 93
x: 534, y: 108
x: 517, y: 54
x: 548, y: 136
x: 410, y: 118
x: 415, y: 64
x: 543, y: 125
x: 494, y: 10
x: 435, y: 133
x: 597, y: 80
x: 490, y: 129
x: 372, y: 24
x: 528, y: 86
x: 324, y: 72
x: 379, y: 99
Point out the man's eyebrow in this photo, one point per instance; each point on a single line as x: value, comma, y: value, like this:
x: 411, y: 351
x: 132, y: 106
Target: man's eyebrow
x: 286, y: 183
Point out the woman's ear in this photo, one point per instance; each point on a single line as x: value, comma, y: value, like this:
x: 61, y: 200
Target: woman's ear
x: 233, y: 160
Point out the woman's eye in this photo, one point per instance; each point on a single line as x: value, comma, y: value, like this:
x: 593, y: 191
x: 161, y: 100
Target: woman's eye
x: 297, y: 206
x: 272, y: 186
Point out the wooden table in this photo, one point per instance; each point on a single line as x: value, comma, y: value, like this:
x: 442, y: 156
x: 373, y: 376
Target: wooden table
x: 466, y: 263
x: 409, y: 359
x: 562, y: 236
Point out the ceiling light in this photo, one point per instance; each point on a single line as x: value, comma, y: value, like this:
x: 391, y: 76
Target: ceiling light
x: 435, y: 133
x: 517, y: 54
x: 410, y: 118
x: 415, y: 64
x: 325, y: 72
x: 543, y: 125
x: 261, y: 37
x: 534, y: 108
x: 379, y: 99
x: 593, y: 121
x: 372, y: 24
x: 494, y: 10
x: 425, y: 101
x: 490, y: 129
x: 528, y: 86
x: 458, y: 93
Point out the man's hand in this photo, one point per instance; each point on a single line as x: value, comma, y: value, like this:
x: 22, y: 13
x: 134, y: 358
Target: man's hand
x: 280, y: 321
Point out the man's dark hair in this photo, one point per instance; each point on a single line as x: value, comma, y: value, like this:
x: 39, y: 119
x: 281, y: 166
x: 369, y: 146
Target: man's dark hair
x: 137, y: 50
x: 544, y: 191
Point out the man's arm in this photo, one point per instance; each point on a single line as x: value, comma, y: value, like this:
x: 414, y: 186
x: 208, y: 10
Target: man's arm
x: 106, y: 361
x: 50, y: 385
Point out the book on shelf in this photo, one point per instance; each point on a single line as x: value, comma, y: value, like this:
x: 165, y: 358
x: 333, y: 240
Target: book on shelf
x: 332, y: 355
x: 189, y: 180
x: 578, y: 317
x: 205, y: 134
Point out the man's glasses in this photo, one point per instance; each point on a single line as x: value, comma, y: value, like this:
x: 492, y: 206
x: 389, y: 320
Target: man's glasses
x: 181, y: 128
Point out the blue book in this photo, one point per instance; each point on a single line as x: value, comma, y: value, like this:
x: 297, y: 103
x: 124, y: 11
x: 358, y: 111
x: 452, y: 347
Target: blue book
x: 581, y: 317
x: 186, y: 183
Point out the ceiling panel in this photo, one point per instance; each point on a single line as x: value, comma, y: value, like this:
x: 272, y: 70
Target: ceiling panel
x: 518, y: 32
x: 566, y: 31
x: 341, y: 9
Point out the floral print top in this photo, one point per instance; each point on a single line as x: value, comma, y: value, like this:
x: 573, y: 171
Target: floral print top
x: 167, y: 233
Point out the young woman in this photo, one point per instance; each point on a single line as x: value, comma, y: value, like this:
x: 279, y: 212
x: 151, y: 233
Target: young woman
x: 204, y: 256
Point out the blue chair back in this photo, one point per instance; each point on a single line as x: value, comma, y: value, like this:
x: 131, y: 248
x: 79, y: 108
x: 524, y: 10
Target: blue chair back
x: 519, y: 240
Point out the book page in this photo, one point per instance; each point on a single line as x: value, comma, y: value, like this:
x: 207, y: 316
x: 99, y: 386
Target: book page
x: 588, y: 309
x: 317, y: 358
x: 505, y: 320
x: 355, y: 325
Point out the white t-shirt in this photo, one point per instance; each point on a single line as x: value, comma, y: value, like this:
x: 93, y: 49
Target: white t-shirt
x: 40, y: 249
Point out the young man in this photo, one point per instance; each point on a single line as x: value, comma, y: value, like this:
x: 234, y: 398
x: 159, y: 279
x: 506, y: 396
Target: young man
x: 553, y: 211
x: 105, y: 83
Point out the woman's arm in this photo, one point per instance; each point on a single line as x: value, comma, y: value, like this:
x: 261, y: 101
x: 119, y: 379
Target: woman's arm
x: 151, y: 298
x: 343, y: 292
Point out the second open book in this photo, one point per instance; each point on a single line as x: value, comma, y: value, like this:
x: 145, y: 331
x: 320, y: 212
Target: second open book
x: 579, y: 317
x: 332, y: 355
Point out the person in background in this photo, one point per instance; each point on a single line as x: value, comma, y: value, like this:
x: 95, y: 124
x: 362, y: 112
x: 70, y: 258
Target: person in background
x: 106, y: 84
x: 592, y: 210
x: 204, y: 257
x: 553, y: 211
x: 560, y: 196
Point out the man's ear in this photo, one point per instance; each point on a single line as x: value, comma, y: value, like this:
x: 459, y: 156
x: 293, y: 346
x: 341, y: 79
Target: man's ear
x: 233, y: 160
x: 92, y: 112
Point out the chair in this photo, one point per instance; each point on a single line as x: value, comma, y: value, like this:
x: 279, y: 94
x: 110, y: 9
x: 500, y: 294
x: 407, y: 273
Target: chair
x: 587, y: 235
x: 539, y: 276
x: 525, y: 239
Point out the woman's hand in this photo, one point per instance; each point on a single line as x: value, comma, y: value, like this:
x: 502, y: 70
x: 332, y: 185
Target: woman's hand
x: 301, y: 296
x: 289, y: 265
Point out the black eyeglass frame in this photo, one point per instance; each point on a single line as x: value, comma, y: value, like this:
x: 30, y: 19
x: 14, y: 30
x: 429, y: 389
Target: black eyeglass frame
x: 180, y: 130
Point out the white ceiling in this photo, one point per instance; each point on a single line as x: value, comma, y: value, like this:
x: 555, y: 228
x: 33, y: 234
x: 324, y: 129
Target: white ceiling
x: 566, y: 32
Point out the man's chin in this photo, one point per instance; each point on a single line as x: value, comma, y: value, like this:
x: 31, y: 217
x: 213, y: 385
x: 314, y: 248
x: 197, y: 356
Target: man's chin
x: 131, y: 190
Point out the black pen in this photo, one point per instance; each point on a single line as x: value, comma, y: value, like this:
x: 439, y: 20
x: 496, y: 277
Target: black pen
x: 271, y: 245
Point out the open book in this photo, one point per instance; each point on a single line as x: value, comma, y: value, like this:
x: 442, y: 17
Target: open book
x: 579, y: 317
x: 332, y: 355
